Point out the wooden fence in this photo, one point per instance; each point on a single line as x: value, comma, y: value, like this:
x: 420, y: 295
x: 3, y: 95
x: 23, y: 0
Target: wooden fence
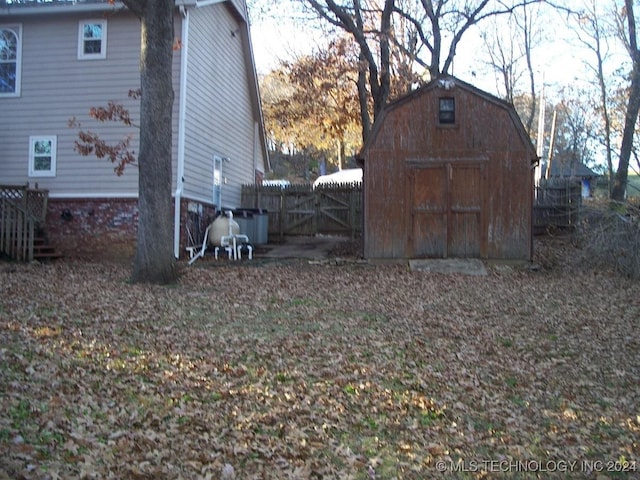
x: 303, y: 210
x: 337, y: 209
x: 557, y: 203
x: 22, y: 211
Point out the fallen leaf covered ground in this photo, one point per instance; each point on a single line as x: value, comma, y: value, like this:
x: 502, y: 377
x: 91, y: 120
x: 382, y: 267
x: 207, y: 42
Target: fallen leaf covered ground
x: 276, y: 370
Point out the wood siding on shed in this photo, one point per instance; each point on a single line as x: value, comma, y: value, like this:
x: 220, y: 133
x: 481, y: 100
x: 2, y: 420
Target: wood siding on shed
x: 461, y: 190
x: 384, y: 207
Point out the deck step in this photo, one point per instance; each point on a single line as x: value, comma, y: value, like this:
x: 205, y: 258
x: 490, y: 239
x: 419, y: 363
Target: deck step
x: 50, y: 255
x: 42, y: 250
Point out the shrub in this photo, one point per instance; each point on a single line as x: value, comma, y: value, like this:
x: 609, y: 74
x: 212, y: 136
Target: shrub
x: 609, y: 234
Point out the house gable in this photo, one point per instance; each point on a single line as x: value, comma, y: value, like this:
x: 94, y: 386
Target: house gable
x: 223, y: 116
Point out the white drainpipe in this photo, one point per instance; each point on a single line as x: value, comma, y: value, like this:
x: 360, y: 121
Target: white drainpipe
x: 181, y: 131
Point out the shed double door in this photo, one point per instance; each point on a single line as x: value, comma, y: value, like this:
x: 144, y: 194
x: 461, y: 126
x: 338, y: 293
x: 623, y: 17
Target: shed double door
x: 446, y: 210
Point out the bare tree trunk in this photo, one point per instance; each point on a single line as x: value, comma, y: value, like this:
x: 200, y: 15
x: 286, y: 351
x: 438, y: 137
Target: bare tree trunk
x: 604, y: 98
x: 595, y: 41
x: 379, y: 76
x: 527, y: 36
x: 633, y: 107
x: 154, y: 260
x: 363, y: 98
x: 385, y: 65
x: 436, y: 45
x: 507, y: 50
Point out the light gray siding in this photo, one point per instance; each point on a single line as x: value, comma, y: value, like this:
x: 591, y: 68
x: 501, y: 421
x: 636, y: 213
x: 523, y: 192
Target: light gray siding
x: 221, y: 114
x: 56, y: 87
x: 240, y: 7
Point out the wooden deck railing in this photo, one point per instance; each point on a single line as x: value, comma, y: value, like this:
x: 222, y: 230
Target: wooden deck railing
x: 22, y: 210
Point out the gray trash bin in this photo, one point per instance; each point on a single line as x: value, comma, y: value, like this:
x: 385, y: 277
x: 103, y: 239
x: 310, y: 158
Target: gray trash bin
x: 261, y: 217
x: 247, y: 222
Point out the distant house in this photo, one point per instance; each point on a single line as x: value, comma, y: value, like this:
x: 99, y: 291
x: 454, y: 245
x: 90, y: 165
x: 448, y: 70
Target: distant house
x: 448, y: 173
x: 60, y: 58
x: 574, y: 170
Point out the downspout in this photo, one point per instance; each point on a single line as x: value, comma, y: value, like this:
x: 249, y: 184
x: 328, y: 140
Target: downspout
x: 181, y: 131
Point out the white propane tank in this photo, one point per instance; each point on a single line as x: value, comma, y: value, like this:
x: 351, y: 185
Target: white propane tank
x: 220, y: 228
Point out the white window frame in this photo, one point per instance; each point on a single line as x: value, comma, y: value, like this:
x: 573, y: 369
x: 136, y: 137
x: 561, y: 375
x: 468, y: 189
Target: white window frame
x: 81, y: 40
x: 17, y: 30
x: 51, y: 172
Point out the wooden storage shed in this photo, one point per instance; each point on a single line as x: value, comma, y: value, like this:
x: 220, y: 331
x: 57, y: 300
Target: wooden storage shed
x: 448, y: 172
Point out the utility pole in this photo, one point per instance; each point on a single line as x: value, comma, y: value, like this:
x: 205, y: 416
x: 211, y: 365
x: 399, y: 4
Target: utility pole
x: 551, y: 142
x: 540, y: 143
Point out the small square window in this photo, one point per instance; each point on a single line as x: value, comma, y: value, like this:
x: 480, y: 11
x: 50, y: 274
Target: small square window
x: 447, y: 111
x: 42, y: 156
x: 92, y: 39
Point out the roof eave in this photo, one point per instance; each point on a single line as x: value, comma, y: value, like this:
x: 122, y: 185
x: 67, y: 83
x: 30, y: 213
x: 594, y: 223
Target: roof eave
x: 75, y: 7
x: 39, y: 9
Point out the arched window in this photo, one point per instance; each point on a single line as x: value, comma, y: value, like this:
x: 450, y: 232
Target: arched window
x: 10, y: 50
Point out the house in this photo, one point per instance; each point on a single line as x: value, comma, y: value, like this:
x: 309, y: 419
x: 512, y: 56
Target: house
x: 60, y: 58
x: 448, y: 173
x: 573, y: 170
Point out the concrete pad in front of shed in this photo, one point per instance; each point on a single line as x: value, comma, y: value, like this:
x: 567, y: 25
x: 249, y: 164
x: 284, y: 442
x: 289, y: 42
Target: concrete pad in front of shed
x: 465, y: 266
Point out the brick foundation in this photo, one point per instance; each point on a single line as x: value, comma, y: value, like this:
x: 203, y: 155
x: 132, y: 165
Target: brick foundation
x: 106, y: 228
x: 96, y: 228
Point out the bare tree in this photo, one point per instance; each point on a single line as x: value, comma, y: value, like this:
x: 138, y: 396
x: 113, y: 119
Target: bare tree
x: 575, y: 131
x: 357, y: 18
x: 503, y: 57
x: 438, y: 25
x: 509, y: 45
x: 593, y: 35
x: 406, y: 49
x: 627, y: 31
x: 445, y: 22
x: 528, y: 29
x: 154, y: 261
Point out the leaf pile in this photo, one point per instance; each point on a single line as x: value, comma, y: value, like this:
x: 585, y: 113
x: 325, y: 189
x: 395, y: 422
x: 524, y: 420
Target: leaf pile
x: 293, y: 370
